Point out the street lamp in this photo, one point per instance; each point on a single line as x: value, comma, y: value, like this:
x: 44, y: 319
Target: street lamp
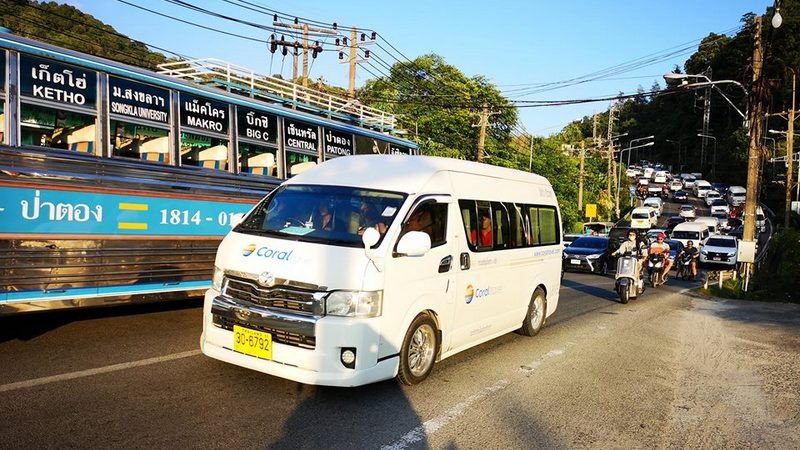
x: 649, y: 144
x: 714, y: 160
x: 681, y: 80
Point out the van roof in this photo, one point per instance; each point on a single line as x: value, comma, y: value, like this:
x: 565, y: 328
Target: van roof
x: 690, y: 226
x: 642, y: 210
x: 402, y: 173
x: 736, y: 189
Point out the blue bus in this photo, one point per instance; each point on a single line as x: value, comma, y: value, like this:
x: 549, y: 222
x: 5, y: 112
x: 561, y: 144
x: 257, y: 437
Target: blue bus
x: 118, y: 183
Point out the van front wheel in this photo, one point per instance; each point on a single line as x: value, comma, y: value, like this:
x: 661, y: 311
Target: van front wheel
x: 418, y: 354
x: 534, y: 318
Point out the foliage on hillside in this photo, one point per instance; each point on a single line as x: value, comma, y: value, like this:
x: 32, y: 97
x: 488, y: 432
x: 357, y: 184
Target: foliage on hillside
x: 68, y: 27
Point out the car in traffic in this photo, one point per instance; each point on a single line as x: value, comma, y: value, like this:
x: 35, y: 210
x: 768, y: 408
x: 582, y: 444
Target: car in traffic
x: 720, y: 187
x: 689, y: 231
x: 736, y: 195
x: 711, y: 196
x: 656, y: 203
x: 570, y: 238
x: 710, y: 222
x: 675, y: 185
x: 587, y: 254
x: 675, y: 247
x: 660, y: 177
x: 643, y: 218
x: 673, y: 221
x: 720, y: 250
x: 644, y: 181
x: 701, y: 188
x: 680, y: 196
x: 631, y: 172
x: 688, y: 180
x: 720, y: 206
x: 688, y: 211
x: 597, y: 228
x: 761, y: 220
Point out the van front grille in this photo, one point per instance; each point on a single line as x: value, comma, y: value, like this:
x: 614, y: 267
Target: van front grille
x: 281, y: 298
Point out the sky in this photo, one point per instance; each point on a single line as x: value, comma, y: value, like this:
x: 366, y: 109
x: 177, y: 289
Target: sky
x: 516, y: 45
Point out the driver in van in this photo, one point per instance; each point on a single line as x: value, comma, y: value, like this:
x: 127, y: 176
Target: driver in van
x: 420, y: 220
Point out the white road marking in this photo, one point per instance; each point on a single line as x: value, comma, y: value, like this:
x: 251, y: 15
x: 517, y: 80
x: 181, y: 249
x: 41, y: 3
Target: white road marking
x: 433, y: 425
x: 95, y: 371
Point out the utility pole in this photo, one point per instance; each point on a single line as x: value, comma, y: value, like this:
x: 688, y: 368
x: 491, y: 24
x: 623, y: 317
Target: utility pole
x: 790, y: 157
x: 706, y: 121
x: 353, y: 60
x: 610, y: 175
x: 315, y: 49
x: 484, y: 121
x: 580, y: 180
x: 758, y: 95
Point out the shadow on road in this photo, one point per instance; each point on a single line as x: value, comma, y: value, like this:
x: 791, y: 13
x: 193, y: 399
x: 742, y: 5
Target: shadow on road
x: 595, y: 291
x: 369, y: 416
x: 28, y: 326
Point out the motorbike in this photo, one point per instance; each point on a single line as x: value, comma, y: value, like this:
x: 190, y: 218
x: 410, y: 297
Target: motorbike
x: 683, y: 267
x: 655, y: 263
x: 627, y: 284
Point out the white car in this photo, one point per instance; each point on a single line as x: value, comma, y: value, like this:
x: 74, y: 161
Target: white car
x: 660, y: 177
x: 721, y: 250
x: 630, y: 173
x: 656, y: 203
x: 644, y: 181
x: 675, y: 186
x: 688, y: 212
x: 711, y: 196
x: 720, y: 206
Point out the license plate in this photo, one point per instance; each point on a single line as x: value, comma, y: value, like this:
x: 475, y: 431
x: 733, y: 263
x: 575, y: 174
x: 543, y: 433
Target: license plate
x: 252, y: 342
x: 717, y: 258
x: 575, y: 261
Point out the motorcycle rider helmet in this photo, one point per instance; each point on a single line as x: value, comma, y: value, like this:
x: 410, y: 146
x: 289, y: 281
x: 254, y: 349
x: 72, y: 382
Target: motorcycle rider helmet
x: 661, y: 236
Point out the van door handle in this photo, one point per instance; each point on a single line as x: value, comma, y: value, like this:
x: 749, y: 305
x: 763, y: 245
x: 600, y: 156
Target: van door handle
x: 465, y: 261
x: 444, y: 264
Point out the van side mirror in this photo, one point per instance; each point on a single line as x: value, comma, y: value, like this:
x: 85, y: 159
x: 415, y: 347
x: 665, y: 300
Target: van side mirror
x: 370, y: 237
x: 414, y: 243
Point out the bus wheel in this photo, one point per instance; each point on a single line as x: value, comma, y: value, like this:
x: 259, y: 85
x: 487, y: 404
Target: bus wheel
x: 534, y: 319
x: 418, y: 354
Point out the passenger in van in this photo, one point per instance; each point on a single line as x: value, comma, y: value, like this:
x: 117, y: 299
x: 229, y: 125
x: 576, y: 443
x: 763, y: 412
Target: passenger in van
x: 368, y: 217
x: 323, y: 219
x: 484, y: 232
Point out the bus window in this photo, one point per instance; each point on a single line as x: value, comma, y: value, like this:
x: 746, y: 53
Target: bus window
x: 258, y: 159
x: 129, y: 140
x: 48, y: 127
x: 297, y: 162
x: 204, y: 151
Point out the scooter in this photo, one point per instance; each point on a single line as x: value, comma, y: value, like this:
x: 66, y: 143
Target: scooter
x: 683, y: 267
x: 654, y: 265
x: 627, y: 284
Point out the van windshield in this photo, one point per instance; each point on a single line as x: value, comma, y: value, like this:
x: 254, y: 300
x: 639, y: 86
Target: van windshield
x: 640, y: 216
x: 680, y: 234
x: 334, y: 215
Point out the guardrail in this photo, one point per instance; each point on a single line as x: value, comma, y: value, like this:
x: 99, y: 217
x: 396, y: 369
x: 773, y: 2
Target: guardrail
x: 238, y: 79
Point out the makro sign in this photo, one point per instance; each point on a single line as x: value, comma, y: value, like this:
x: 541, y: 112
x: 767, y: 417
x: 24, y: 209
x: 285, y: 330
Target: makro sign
x: 55, y: 82
x: 204, y: 114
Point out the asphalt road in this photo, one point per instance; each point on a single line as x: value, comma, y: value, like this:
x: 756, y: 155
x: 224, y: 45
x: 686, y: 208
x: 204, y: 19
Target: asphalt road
x: 666, y: 370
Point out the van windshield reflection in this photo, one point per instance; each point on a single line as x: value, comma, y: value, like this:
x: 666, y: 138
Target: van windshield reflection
x: 334, y: 215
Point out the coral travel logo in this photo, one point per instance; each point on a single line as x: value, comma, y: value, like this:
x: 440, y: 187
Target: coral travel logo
x: 470, y: 292
x: 247, y: 251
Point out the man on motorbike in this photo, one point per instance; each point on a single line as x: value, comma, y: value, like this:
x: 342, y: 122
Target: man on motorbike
x: 691, y: 251
x: 632, y: 246
x: 661, y: 248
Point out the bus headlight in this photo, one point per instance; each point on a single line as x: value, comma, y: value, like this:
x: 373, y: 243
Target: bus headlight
x: 354, y: 303
x: 216, y: 280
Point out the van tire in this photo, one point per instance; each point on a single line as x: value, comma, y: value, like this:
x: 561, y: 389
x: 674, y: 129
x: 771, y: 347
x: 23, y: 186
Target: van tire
x: 534, y: 318
x: 419, y: 351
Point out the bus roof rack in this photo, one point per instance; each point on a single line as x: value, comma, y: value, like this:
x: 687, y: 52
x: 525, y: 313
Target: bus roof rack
x: 241, y: 80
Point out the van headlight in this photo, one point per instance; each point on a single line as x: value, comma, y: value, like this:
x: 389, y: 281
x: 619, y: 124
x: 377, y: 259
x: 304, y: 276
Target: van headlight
x: 216, y: 280
x: 354, y: 303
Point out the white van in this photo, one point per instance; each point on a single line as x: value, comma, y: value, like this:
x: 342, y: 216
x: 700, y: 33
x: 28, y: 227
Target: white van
x: 761, y: 220
x: 701, y: 188
x: 643, y: 217
x: 648, y: 172
x: 370, y: 267
x: 656, y: 203
x: 736, y: 195
x: 660, y: 176
x: 711, y: 222
x: 690, y: 231
x: 688, y: 180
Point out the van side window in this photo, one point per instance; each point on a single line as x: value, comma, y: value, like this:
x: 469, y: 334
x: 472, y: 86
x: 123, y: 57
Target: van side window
x: 533, y: 216
x: 469, y: 216
x: 548, y: 225
x: 500, y: 226
x: 430, y: 218
x: 517, y: 232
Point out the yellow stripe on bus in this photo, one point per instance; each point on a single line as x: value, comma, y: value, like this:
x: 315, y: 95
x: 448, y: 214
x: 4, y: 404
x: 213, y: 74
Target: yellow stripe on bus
x: 133, y: 206
x: 132, y: 226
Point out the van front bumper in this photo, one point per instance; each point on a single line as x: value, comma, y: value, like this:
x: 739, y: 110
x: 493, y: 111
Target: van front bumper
x: 312, y: 354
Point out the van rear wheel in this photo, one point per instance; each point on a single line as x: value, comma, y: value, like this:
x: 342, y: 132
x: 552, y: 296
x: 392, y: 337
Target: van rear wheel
x: 420, y: 347
x: 534, y: 318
